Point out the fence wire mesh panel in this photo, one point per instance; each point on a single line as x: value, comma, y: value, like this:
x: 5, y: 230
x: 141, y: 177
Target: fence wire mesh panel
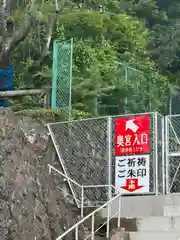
x: 156, y: 184
x: 96, y: 195
x: 82, y: 147
x: 174, y: 101
x: 160, y: 151
x: 60, y: 179
x: 172, y: 153
x: 62, y: 74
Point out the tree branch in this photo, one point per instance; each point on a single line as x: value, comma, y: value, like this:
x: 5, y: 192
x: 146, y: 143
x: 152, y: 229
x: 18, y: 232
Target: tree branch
x: 10, y: 42
x: 4, y: 14
x: 50, y: 26
x: 48, y: 37
x: 17, y: 37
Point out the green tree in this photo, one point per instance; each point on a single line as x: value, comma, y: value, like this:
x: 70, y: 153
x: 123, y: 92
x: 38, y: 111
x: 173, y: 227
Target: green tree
x: 165, y: 38
x: 102, y: 42
x: 18, y: 19
x: 112, y: 71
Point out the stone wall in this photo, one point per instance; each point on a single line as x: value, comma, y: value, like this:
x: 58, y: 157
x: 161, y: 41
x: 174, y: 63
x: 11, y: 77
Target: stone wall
x: 31, y: 205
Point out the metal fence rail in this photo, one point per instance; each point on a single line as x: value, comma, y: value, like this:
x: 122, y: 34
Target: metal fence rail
x: 86, y: 190
x: 74, y: 231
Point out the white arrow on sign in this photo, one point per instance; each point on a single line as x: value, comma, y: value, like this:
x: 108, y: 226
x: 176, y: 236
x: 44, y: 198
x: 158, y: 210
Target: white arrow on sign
x: 131, y: 125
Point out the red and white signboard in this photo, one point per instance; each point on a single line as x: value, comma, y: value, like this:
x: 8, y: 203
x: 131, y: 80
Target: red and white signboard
x: 132, y: 174
x: 132, y: 135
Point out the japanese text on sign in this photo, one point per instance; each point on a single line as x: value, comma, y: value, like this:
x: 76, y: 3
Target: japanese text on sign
x: 132, y: 135
x: 136, y: 167
x: 132, y: 168
x: 132, y: 143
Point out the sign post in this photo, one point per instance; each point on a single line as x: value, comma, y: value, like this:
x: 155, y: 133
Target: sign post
x: 132, y: 148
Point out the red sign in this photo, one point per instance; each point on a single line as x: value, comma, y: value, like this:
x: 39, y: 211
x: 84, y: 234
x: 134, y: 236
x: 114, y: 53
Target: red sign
x: 132, y: 135
x: 131, y: 185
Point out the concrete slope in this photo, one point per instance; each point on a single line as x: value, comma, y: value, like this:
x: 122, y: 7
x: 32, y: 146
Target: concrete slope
x: 158, y: 224
x: 160, y: 235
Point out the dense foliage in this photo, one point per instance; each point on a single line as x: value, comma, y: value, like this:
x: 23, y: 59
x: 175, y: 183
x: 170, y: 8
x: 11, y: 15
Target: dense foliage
x: 126, y: 52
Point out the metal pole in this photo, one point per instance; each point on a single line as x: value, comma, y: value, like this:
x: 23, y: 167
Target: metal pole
x: 163, y: 151
x: 170, y: 105
x: 119, y: 212
x: 156, y: 154
x: 96, y: 106
x: 54, y: 76
x: 108, y: 217
x: 92, y: 228
x: 109, y: 134
x: 167, y: 153
x: 70, y: 83
x: 126, y: 98
x: 76, y: 234
x: 82, y: 201
x: 49, y: 169
x: 109, y: 147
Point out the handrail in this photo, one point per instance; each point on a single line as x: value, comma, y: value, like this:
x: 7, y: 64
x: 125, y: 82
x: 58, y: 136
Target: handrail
x: 95, y: 231
x: 107, y: 204
x: 71, y: 180
x: 89, y: 186
x: 92, y: 215
x: 82, y: 187
x: 51, y: 167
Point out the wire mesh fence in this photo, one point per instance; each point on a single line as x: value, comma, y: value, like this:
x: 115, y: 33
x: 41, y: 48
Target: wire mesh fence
x: 159, y: 146
x: 82, y: 147
x: 172, y: 123
x: 96, y: 195
x: 86, y: 149
x: 174, y: 101
x: 62, y: 74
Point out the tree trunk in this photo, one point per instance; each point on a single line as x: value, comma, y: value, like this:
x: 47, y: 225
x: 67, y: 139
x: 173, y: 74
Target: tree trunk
x: 10, y: 37
x: 4, y: 15
x: 4, y: 62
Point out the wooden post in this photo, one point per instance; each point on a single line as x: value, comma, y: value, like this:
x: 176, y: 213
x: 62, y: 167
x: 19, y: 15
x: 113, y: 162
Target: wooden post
x: 47, y: 98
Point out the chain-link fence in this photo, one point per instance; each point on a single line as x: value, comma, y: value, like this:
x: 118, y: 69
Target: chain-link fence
x: 86, y: 151
x: 159, y: 138
x: 129, y: 100
x: 174, y: 101
x: 62, y: 74
x: 172, y: 148
x: 82, y: 147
